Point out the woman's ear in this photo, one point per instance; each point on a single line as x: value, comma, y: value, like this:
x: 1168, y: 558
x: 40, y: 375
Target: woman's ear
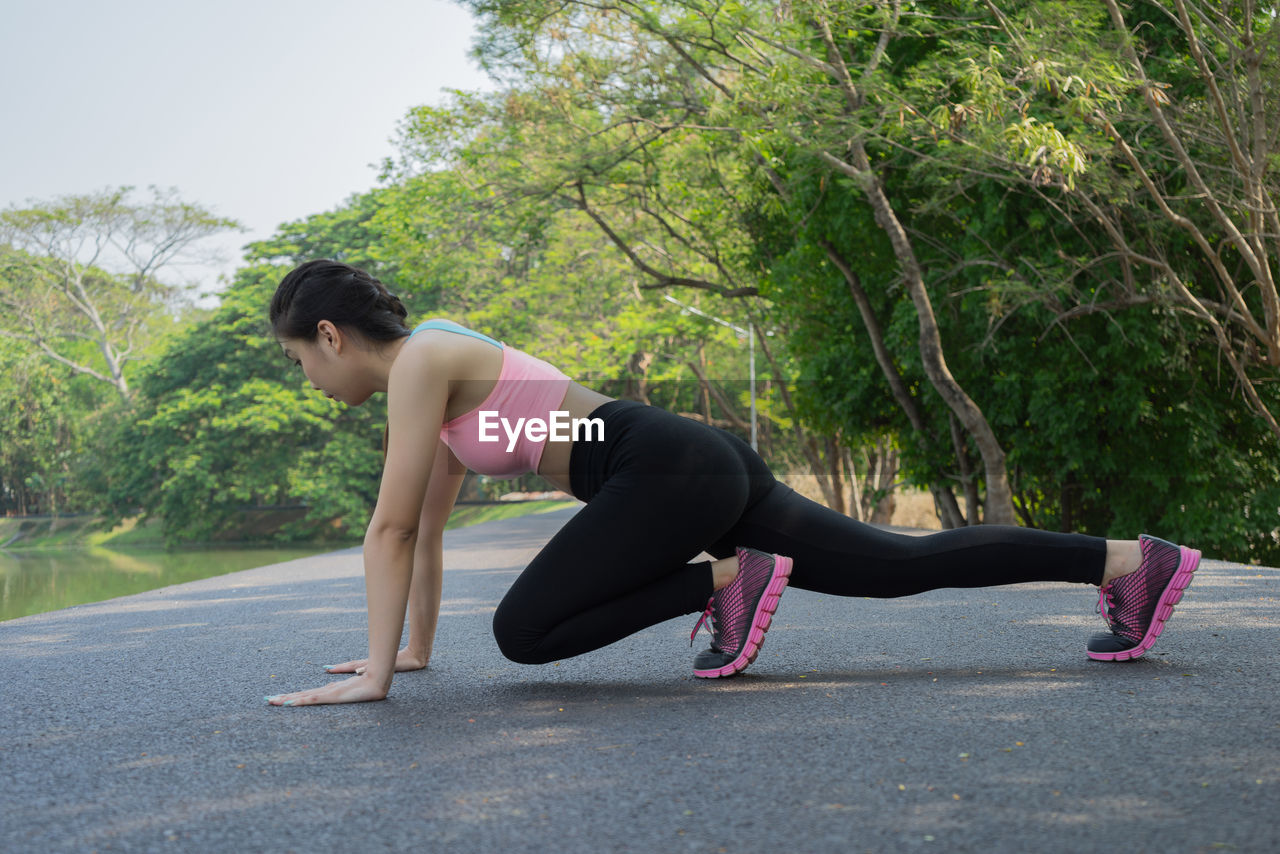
x: 327, y: 333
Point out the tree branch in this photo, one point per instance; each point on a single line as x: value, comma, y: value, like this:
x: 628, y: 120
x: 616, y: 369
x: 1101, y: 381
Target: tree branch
x: 1260, y: 270
x: 661, y: 280
x: 1224, y: 276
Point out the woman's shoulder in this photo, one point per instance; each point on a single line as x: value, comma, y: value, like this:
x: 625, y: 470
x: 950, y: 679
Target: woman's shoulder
x: 455, y: 356
x: 452, y: 326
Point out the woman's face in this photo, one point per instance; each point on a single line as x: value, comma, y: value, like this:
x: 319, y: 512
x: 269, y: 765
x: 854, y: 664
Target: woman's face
x: 328, y: 365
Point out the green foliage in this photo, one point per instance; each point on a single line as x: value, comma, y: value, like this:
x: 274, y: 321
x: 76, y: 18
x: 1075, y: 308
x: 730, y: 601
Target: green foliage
x: 223, y: 421
x: 488, y: 206
x: 87, y: 269
x: 43, y: 408
x: 656, y: 146
x: 1114, y: 422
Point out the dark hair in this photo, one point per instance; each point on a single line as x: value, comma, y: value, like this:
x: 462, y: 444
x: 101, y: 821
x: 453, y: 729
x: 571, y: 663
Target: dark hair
x: 341, y: 294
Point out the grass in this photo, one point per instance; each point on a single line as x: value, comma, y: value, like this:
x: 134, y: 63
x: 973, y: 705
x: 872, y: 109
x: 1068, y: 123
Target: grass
x: 62, y: 532
x: 473, y: 514
x: 88, y: 531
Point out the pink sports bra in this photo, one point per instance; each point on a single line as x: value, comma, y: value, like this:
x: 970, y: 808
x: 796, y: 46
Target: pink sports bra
x: 493, y: 439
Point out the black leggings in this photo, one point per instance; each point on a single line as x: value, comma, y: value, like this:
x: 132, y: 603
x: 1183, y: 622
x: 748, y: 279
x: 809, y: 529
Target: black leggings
x: 661, y: 488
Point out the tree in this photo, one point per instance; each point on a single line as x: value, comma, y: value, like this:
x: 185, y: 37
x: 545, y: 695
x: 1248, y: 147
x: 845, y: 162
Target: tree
x: 220, y: 423
x: 915, y: 103
x: 774, y: 82
x: 87, y: 268
x: 1150, y: 130
x: 44, y: 408
x: 529, y: 173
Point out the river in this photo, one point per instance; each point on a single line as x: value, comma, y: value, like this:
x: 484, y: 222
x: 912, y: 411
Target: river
x: 38, y: 580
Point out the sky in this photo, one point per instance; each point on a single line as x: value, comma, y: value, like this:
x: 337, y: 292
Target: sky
x: 264, y: 111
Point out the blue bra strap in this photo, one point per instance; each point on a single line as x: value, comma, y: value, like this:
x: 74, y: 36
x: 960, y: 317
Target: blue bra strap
x: 450, y: 326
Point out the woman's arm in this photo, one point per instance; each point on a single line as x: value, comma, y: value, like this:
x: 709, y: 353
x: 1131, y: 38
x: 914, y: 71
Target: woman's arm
x: 417, y: 396
x: 447, y: 475
x: 428, y: 562
x: 424, y: 605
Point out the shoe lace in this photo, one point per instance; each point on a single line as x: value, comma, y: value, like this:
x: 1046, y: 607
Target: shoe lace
x: 1106, y: 603
x: 1107, y: 608
x: 707, y: 620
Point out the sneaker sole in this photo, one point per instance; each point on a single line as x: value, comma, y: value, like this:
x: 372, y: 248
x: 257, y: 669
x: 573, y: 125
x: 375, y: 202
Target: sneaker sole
x: 1164, y: 609
x: 759, y: 623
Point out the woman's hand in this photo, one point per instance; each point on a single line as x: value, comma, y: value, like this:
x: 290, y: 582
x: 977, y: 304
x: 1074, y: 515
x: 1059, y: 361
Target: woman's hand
x: 357, y: 689
x: 406, y: 659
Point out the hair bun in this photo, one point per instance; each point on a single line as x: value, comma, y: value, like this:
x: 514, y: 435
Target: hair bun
x: 324, y: 289
x: 388, y: 300
x: 396, y: 307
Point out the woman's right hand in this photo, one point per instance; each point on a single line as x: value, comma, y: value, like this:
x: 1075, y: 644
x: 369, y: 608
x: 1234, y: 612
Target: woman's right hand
x: 405, y: 660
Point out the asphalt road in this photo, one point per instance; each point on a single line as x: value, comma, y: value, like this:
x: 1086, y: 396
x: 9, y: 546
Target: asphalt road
x: 952, y: 721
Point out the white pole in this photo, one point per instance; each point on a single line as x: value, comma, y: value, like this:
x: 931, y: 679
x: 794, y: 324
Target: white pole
x: 751, y: 346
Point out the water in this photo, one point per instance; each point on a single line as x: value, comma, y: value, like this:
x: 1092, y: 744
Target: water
x: 32, y: 582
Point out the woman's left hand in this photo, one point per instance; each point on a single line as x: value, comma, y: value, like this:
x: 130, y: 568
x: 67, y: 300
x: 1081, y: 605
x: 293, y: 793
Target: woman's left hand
x: 357, y: 689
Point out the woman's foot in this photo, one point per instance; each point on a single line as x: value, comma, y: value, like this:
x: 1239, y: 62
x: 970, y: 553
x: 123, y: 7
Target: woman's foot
x: 1136, y: 605
x: 1123, y: 557
x: 723, y: 572
x: 740, y: 612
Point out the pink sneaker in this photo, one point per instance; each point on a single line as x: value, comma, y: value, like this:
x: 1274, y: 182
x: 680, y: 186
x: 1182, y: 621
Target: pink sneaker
x: 1137, y: 605
x: 739, y: 614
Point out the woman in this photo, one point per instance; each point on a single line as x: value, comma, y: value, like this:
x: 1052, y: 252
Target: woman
x: 659, y: 489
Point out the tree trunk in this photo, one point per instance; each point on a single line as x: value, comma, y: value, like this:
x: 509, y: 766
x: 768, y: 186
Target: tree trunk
x: 836, y: 475
x: 944, y: 502
x: 704, y: 388
x: 999, y: 503
x: 857, y: 500
x: 968, y: 481
x: 637, y: 387
x: 882, y: 469
x: 709, y: 391
x: 808, y: 445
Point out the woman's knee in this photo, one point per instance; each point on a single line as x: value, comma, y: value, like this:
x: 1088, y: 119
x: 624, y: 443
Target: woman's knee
x: 516, y: 640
